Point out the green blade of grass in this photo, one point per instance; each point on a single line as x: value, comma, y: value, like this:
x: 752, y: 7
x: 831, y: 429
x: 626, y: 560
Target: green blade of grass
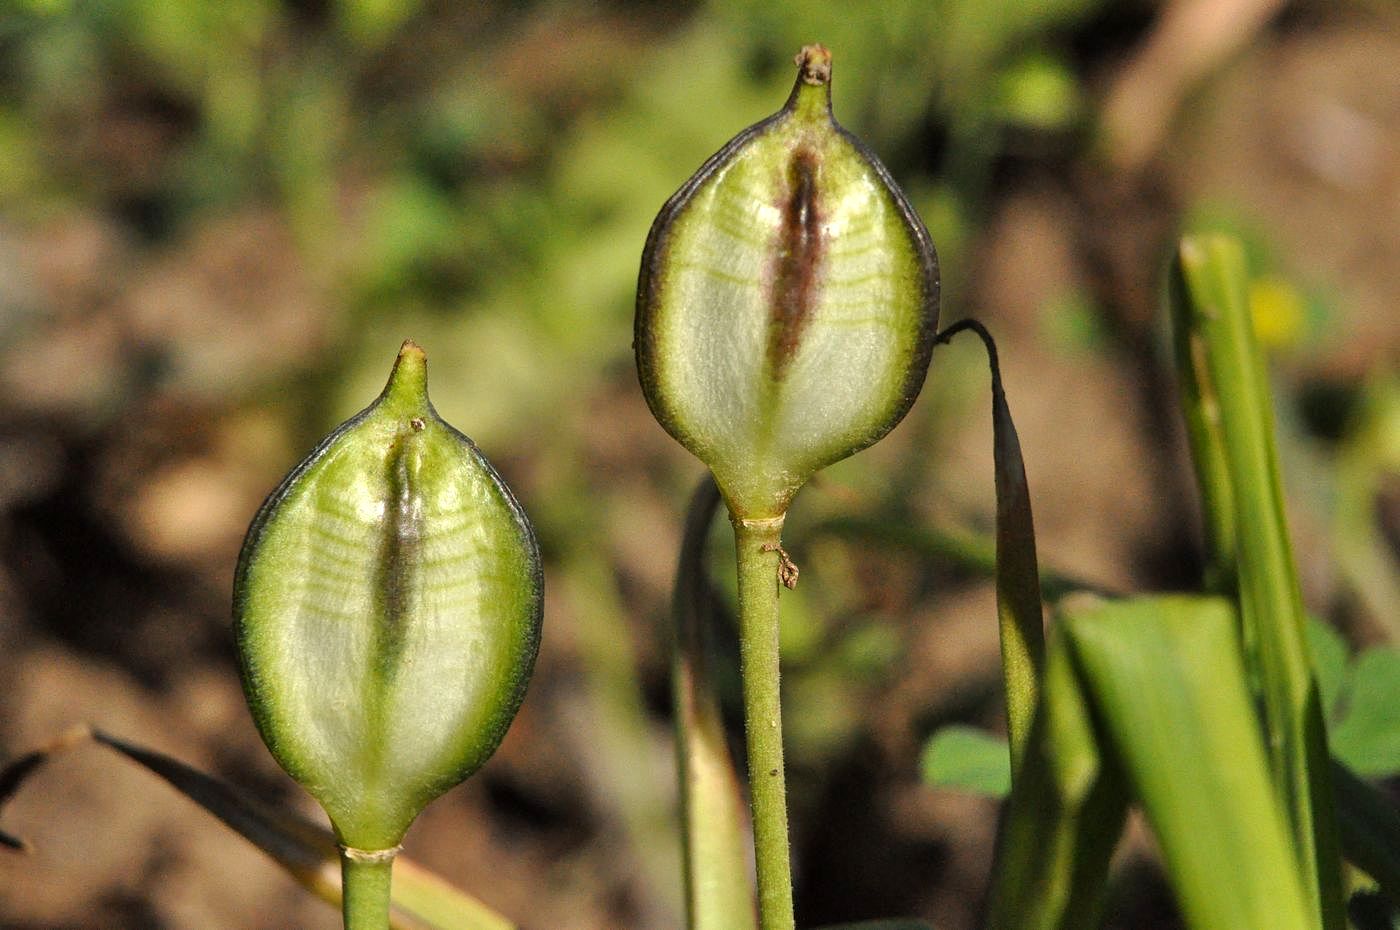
x: 1170, y: 692
x: 308, y: 852
x: 718, y: 892
x: 1064, y: 817
x: 1229, y: 407
x: 1022, y: 627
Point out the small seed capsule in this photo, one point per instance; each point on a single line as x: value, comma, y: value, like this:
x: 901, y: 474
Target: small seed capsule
x: 387, y: 610
x: 787, y: 302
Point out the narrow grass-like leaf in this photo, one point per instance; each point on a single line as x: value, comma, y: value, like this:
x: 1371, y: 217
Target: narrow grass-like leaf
x: 714, y: 825
x: 1238, y: 468
x: 1169, y: 691
x: 437, y: 903
x: 1017, y: 573
x: 1368, y: 459
x: 1067, y: 809
x: 1200, y: 407
x: 308, y: 852
x: 967, y: 758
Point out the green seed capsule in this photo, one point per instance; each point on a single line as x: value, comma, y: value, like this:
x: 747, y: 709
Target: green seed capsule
x: 787, y: 303
x: 387, y: 610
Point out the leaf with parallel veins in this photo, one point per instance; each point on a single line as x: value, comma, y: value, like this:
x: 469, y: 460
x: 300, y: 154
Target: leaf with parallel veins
x: 787, y: 302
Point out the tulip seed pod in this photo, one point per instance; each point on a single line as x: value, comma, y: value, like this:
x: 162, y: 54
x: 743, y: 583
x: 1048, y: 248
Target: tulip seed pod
x: 787, y: 302
x: 387, y: 610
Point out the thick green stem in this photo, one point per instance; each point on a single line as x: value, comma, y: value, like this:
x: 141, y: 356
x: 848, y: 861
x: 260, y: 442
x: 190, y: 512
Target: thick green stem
x: 365, y: 888
x: 756, y: 542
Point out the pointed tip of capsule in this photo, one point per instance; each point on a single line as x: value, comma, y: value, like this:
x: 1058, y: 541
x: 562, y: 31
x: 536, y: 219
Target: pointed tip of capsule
x: 408, y: 382
x: 811, y: 93
x: 814, y: 65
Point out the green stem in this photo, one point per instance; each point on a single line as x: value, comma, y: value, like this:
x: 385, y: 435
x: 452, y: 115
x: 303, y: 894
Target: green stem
x: 756, y: 543
x: 365, y: 882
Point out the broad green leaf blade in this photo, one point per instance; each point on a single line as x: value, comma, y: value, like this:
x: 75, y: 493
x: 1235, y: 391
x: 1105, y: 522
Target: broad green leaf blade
x: 787, y: 302
x: 1022, y: 626
x: 421, y: 899
x: 1210, y: 307
x: 387, y: 609
x: 714, y: 823
x: 1368, y: 737
x: 967, y: 758
x: 1067, y: 809
x: 1370, y: 828
x: 1168, y: 685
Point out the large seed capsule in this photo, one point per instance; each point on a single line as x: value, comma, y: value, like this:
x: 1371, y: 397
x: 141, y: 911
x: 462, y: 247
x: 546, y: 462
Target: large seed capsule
x: 387, y: 610
x: 787, y: 303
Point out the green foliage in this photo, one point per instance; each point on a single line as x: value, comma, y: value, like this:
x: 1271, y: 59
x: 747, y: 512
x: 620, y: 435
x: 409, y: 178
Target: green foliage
x: 1230, y: 417
x: 714, y: 825
x: 480, y: 202
x: 1330, y: 657
x: 1366, y: 735
x: 967, y: 758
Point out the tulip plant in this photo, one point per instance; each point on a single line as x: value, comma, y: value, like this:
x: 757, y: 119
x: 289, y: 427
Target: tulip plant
x: 387, y: 604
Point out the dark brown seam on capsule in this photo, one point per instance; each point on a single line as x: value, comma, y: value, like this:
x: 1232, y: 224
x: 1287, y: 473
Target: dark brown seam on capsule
x: 399, y: 553
x: 799, y: 255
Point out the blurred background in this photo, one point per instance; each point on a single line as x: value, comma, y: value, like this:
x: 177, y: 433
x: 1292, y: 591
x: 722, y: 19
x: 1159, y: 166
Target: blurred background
x: 218, y: 220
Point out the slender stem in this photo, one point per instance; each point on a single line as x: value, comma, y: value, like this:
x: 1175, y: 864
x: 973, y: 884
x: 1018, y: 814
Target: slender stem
x: 365, y: 883
x: 756, y: 543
